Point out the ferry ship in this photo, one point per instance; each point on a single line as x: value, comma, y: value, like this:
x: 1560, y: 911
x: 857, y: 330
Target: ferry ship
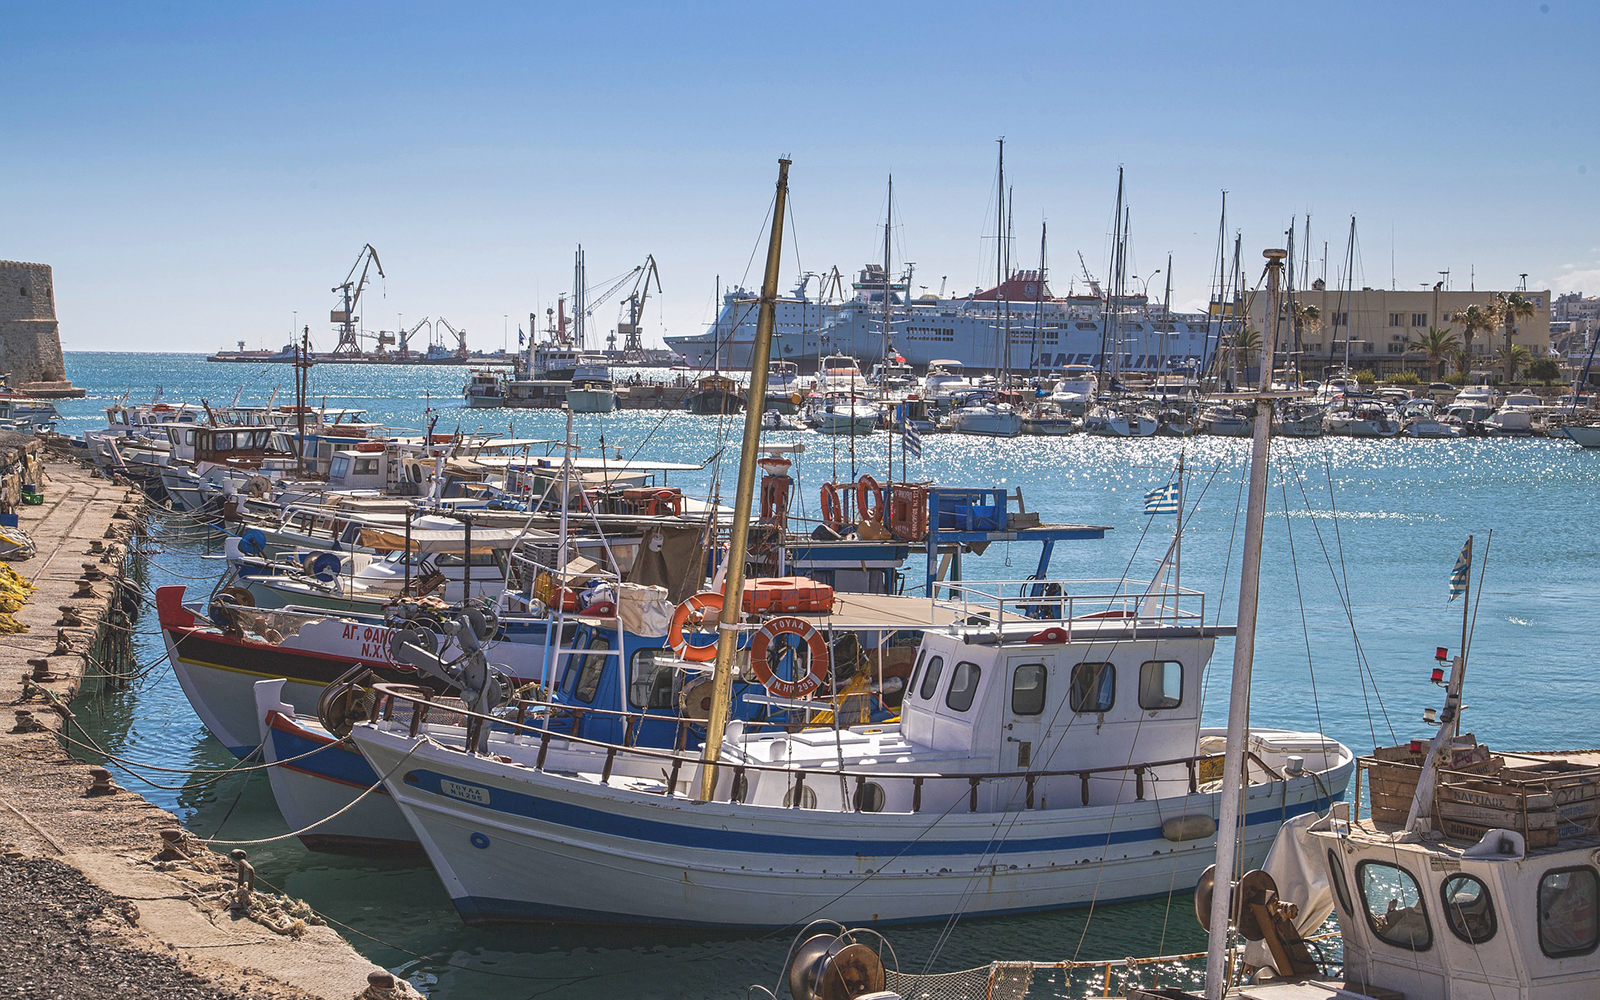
x: 1046, y: 332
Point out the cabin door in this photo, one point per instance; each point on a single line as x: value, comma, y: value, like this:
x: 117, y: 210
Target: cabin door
x: 1029, y: 683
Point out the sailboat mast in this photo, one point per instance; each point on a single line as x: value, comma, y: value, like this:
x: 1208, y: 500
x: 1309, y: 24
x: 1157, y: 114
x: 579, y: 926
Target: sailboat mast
x: 888, y: 334
x: 1108, y: 316
x: 1000, y: 258
x: 739, y: 529
x: 1233, y: 787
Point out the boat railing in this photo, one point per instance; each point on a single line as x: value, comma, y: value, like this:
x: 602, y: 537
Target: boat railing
x: 1072, y: 605
x: 1199, y: 768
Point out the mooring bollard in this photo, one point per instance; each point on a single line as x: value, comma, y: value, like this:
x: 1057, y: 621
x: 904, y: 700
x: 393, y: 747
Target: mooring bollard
x: 26, y: 723
x: 101, y: 783
x: 41, y: 670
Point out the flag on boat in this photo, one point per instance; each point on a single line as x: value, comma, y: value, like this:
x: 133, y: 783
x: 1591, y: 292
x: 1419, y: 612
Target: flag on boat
x: 521, y: 337
x: 1462, y: 571
x: 909, y: 434
x: 1162, y: 500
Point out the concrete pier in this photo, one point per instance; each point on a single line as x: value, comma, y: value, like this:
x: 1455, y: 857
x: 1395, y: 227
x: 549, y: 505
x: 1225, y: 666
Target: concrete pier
x: 173, y: 894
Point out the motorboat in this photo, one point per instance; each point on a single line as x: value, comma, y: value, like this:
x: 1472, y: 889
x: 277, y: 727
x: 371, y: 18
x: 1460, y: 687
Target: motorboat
x: 841, y: 413
x: 1075, y: 390
x: 986, y: 416
x: 1420, y: 418
x: 485, y: 388
x: 783, y: 388
x: 1360, y: 417
x: 1120, y: 418
x: 592, y: 389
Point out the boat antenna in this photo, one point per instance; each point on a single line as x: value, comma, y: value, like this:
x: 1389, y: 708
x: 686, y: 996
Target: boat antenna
x: 739, y: 527
x: 1233, y: 774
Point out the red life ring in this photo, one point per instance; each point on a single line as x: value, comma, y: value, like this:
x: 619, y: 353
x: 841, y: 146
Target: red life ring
x: 832, y: 508
x: 817, y: 669
x: 865, y: 487
x: 669, y: 498
x: 694, y: 609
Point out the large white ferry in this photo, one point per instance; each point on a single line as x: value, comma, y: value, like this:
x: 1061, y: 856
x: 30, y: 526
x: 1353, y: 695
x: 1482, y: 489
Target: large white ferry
x: 1046, y: 332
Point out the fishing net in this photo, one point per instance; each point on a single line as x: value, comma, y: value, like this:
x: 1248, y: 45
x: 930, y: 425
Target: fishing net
x: 999, y: 981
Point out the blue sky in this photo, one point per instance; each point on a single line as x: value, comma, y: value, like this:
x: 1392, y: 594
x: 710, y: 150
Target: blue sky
x: 196, y: 173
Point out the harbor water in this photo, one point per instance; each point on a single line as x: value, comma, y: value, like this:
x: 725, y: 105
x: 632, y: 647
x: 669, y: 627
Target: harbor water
x: 1361, y: 538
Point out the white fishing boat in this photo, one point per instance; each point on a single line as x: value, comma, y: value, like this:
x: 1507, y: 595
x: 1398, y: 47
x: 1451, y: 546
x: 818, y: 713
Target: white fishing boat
x: 485, y: 388
x: 592, y: 389
x: 1050, y: 754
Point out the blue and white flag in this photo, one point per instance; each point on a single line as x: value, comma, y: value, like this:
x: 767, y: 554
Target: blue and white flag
x: 1462, y: 571
x: 912, y: 438
x: 521, y: 337
x: 1162, y: 500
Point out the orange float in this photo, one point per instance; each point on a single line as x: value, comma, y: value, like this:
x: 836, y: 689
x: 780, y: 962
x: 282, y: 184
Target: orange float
x: 802, y: 685
x: 868, y: 488
x: 832, y: 507
x: 693, y: 612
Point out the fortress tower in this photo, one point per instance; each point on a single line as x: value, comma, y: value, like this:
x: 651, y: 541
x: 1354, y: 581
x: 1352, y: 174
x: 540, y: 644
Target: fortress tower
x: 30, y: 336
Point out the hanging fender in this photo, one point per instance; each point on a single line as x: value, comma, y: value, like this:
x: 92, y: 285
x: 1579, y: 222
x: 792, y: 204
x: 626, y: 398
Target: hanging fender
x: 801, y: 685
x: 691, y: 614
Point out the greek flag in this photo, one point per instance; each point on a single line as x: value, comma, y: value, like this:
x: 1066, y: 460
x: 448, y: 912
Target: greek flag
x: 1462, y: 571
x: 912, y: 439
x: 1162, y: 500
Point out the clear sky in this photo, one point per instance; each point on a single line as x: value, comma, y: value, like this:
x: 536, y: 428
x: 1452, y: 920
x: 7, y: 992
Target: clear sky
x: 197, y: 173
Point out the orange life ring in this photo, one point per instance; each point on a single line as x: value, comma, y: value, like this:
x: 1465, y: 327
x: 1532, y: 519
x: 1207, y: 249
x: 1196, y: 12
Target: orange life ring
x: 832, y: 508
x: 671, y: 498
x: 803, y: 685
x: 694, y: 609
x: 865, y: 487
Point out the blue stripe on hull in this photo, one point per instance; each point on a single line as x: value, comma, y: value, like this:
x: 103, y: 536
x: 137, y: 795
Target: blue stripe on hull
x: 680, y: 835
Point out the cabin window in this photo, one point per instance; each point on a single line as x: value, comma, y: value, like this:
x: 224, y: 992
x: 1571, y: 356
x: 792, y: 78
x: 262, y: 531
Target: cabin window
x: 594, y: 664
x: 1394, y: 905
x: 1094, y: 687
x: 222, y: 441
x: 916, y: 670
x: 366, y: 466
x: 1336, y: 876
x: 808, y: 797
x: 1568, y: 920
x: 651, y: 686
x: 1468, y: 910
x: 869, y: 797
x: 341, y: 465
x: 930, y: 679
x: 963, y: 686
x: 1027, y: 689
x: 188, y: 437
x: 1160, y: 684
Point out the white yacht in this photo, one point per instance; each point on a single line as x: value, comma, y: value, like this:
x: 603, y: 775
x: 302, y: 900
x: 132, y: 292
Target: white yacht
x: 592, y: 390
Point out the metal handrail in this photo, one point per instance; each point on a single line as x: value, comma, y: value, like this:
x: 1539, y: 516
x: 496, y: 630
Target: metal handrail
x: 390, y: 693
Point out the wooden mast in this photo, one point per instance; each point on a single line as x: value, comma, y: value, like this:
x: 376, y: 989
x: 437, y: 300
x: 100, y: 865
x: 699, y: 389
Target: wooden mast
x: 1233, y: 787
x: 739, y: 529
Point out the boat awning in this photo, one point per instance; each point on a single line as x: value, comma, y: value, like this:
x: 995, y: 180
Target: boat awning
x: 441, y: 539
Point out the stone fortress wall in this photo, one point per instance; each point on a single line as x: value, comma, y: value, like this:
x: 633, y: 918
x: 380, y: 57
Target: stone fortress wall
x: 30, y: 336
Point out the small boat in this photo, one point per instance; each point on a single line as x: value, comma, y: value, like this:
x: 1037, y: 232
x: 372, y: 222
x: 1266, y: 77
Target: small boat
x: 841, y: 413
x: 1586, y: 435
x: 485, y: 388
x: 1120, y: 418
x: 783, y: 388
x: 1298, y: 420
x: 592, y: 389
x: 715, y: 395
x: 1225, y: 420
x: 986, y: 417
x: 1420, y: 418
x: 1360, y: 417
x: 1049, y: 420
x: 1075, y: 390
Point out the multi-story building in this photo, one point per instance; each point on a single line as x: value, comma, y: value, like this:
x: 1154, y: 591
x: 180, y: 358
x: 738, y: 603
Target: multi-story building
x: 1379, y: 329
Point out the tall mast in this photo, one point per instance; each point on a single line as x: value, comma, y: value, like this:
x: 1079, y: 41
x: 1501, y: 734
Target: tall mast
x: 578, y: 300
x: 888, y: 222
x: 1244, y: 646
x: 1108, y: 317
x: 739, y: 529
x: 1000, y: 258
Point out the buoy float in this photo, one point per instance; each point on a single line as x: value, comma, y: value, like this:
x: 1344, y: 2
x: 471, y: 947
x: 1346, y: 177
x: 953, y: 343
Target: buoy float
x: 801, y: 685
x: 692, y: 613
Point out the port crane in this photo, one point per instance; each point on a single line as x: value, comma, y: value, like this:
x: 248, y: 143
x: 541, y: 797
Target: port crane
x: 460, y: 335
x: 632, y: 304
x: 406, y: 335
x: 350, y: 293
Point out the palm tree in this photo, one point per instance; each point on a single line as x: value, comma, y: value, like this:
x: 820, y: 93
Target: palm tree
x: 1305, y: 319
x: 1473, y: 319
x: 1513, y: 358
x: 1462, y: 361
x: 1438, y: 346
x: 1510, y: 307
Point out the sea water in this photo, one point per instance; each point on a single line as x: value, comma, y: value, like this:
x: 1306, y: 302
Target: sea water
x: 1360, y: 541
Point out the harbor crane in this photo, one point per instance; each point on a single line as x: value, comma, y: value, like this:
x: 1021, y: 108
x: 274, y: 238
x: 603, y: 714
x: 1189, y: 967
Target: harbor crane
x: 406, y: 335
x: 350, y: 293
x: 632, y: 304
x: 460, y: 335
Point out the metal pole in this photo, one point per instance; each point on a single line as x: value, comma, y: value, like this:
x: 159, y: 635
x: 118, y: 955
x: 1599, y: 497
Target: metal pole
x: 1233, y: 787
x: 739, y: 529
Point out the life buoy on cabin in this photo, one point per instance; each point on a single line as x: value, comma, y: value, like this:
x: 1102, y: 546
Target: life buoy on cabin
x: 867, y: 487
x: 801, y: 684
x: 832, y: 508
x: 774, y: 497
x: 670, y: 499
x: 692, y: 614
